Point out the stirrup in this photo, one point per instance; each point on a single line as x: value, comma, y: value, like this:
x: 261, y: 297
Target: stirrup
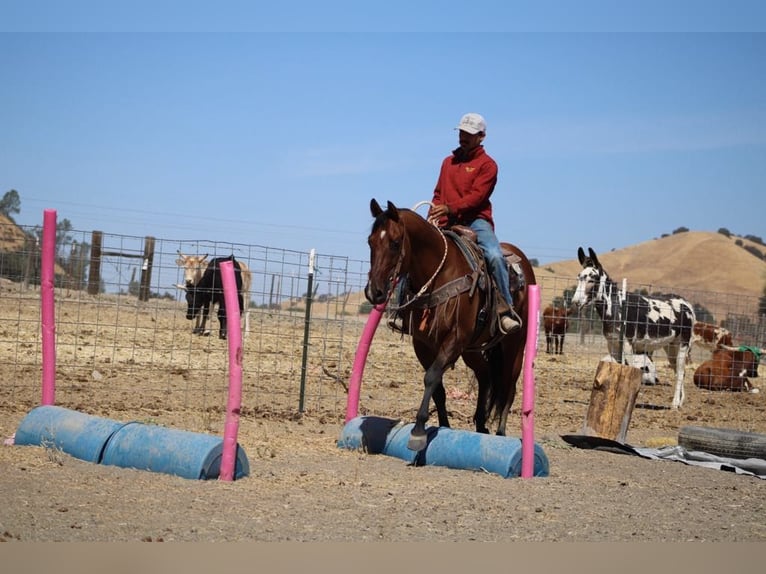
x: 509, y: 322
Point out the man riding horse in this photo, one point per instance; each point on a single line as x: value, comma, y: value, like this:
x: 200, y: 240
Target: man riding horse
x: 462, y: 197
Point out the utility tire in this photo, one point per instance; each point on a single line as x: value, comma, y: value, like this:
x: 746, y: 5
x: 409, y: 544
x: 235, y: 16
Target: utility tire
x: 727, y: 443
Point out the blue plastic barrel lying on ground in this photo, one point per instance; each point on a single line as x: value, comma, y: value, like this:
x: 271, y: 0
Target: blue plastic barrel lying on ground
x: 452, y: 448
x: 131, y: 445
x: 160, y: 449
x: 77, y: 434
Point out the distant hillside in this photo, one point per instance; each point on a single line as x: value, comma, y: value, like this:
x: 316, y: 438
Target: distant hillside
x: 700, y: 265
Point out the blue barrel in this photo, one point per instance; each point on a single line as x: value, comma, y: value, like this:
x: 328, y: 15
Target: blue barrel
x: 77, y: 434
x: 131, y: 444
x: 453, y: 448
x: 159, y: 449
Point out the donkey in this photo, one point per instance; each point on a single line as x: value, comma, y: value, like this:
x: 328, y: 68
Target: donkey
x: 208, y: 291
x: 649, y: 323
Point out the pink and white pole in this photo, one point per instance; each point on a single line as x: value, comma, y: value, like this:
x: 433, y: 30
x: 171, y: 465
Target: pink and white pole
x: 528, y: 388
x: 47, y: 308
x: 234, y: 403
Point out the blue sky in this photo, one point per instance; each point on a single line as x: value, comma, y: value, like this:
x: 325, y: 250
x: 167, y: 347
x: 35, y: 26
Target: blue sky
x: 276, y: 126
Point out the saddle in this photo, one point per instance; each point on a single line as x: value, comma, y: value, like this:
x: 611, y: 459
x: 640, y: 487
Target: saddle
x: 466, y: 240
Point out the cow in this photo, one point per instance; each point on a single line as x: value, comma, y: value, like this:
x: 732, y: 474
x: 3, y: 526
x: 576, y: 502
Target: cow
x: 728, y: 370
x: 555, y: 322
x: 710, y: 337
x: 646, y: 323
x: 194, y: 266
x: 201, y: 296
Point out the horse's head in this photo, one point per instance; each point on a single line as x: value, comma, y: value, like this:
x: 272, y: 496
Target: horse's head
x: 590, y: 281
x: 388, y: 248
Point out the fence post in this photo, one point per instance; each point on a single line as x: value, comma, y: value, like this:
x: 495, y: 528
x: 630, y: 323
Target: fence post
x: 306, y: 328
x: 146, y: 269
x: 94, y: 271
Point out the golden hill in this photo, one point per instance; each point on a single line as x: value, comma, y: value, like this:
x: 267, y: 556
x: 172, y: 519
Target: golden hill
x: 12, y: 237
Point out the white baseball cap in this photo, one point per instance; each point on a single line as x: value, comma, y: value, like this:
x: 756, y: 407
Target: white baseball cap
x: 472, y: 123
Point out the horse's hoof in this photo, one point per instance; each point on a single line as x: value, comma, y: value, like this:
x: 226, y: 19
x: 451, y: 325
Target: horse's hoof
x: 417, y: 442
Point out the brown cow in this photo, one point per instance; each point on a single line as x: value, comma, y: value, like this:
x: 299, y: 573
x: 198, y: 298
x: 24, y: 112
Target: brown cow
x: 710, y: 336
x: 555, y: 322
x: 728, y: 370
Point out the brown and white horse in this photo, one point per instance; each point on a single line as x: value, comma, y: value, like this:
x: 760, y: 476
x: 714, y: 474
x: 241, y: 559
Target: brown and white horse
x: 646, y: 323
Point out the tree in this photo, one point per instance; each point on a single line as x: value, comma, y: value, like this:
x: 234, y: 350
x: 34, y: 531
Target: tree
x: 724, y: 231
x: 11, y: 203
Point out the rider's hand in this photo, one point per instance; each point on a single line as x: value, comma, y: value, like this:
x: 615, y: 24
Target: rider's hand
x: 438, y: 213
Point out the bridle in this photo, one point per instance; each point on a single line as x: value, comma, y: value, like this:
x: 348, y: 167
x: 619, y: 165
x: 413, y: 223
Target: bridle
x: 394, y: 277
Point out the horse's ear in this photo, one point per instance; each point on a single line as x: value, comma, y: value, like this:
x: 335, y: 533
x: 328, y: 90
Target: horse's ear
x: 581, y: 255
x: 375, y: 208
x: 392, y: 211
x: 593, y: 257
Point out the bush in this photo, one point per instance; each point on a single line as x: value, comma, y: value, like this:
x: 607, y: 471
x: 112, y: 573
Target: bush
x: 365, y: 308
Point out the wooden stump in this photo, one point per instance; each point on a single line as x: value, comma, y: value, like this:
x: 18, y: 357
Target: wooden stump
x: 612, y: 399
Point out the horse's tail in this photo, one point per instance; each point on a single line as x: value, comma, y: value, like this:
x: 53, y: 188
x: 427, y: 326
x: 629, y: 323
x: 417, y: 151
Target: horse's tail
x: 497, y: 397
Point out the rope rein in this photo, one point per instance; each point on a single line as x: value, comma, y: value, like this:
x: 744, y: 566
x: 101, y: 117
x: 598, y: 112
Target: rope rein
x: 427, y: 284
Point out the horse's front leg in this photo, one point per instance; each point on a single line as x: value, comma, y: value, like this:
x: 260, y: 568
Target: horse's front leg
x: 433, y: 388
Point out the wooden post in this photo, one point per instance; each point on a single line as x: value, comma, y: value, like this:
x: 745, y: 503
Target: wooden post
x: 612, y: 399
x: 146, y: 269
x: 94, y: 269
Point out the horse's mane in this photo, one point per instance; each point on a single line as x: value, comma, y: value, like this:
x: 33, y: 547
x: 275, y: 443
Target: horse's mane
x: 405, y: 212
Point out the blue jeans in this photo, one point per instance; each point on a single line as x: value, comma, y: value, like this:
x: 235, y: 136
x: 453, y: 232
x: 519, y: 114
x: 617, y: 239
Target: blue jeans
x: 487, y: 240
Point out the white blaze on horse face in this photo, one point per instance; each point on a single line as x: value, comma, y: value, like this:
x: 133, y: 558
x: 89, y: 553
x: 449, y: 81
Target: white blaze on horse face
x: 580, y: 297
x: 585, y: 284
x: 382, y: 234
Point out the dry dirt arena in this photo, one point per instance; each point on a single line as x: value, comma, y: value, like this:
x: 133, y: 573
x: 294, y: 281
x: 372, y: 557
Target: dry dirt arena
x: 302, y: 487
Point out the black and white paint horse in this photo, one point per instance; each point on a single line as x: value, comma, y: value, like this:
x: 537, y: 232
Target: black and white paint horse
x: 650, y: 323
x: 209, y: 291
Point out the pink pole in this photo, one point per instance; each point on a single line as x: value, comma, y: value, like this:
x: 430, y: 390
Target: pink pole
x: 355, y: 382
x: 47, y: 309
x: 234, y: 403
x: 528, y: 398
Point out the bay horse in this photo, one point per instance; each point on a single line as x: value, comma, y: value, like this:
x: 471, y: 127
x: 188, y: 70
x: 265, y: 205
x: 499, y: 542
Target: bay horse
x: 449, y: 312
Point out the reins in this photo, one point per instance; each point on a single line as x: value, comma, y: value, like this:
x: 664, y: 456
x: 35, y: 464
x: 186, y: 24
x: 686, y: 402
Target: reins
x: 427, y: 284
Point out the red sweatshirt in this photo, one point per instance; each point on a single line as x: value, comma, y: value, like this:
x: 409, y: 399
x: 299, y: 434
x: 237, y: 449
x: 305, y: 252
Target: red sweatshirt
x: 465, y: 185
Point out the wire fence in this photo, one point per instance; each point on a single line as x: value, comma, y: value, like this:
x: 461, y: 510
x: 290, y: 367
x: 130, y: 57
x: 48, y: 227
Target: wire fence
x: 128, y: 347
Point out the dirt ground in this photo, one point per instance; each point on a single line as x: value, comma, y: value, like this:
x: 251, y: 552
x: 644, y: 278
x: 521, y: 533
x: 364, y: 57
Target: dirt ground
x: 302, y: 487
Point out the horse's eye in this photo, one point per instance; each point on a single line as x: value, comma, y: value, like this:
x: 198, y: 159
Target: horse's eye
x: 395, y: 246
